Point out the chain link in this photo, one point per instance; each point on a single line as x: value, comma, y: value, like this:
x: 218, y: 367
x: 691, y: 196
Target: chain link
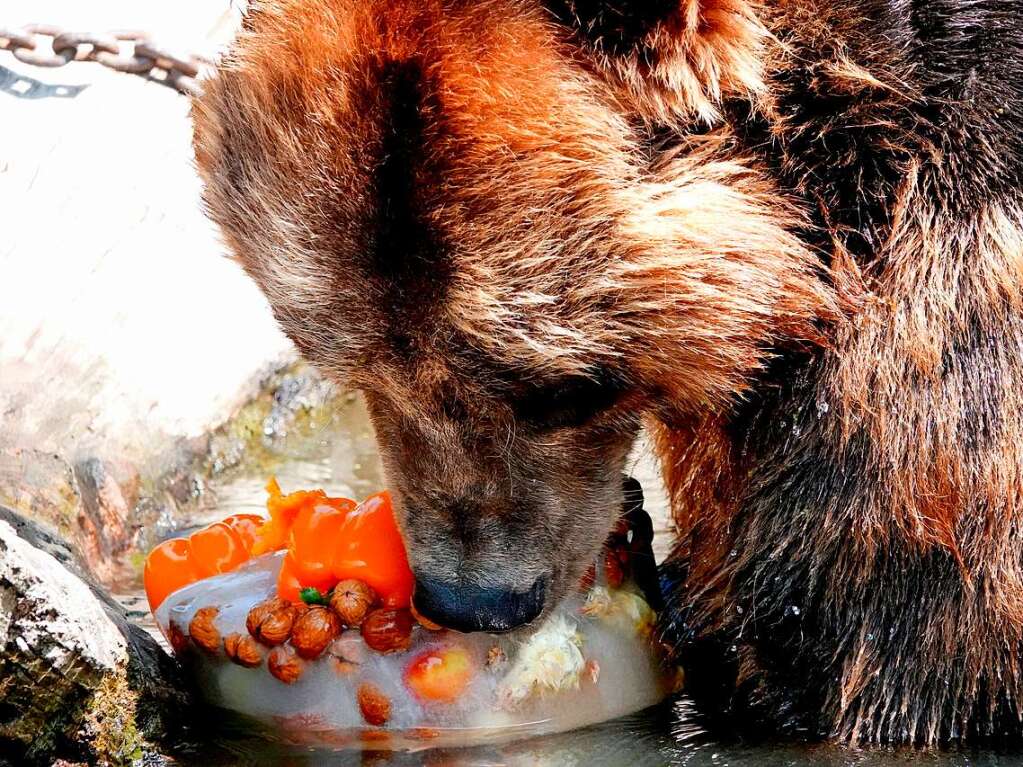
x: 46, y: 45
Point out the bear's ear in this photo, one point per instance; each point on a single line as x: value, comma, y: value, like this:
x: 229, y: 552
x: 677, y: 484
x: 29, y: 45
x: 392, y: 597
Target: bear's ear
x: 671, y: 61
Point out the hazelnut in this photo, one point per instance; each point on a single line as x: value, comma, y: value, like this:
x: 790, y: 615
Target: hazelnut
x: 351, y: 600
x: 426, y: 623
x: 202, y: 630
x: 243, y: 650
x: 271, y: 622
x: 278, y: 625
x: 231, y: 644
x: 284, y: 664
x: 314, y: 630
x: 349, y: 647
x: 343, y: 667
x: 261, y: 611
x: 423, y: 733
x: 374, y: 743
x: 388, y: 630
x: 375, y: 706
x: 347, y: 653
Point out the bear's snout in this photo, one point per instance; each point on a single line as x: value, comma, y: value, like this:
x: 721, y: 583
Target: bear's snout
x: 469, y: 607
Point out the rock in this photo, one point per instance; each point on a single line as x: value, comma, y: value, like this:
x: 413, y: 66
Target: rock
x: 89, y: 504
x: 144, y: 332
x: 145, y: 338
x: 104, y: 516
x: 38, y: 536
x: 301, y: 392
x: 77, y: 681
x: 153, y: 519
x: 40, y: 485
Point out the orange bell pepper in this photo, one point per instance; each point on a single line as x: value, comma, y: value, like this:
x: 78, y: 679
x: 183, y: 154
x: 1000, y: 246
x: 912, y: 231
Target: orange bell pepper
x: 217, y: 548
x: 314, y: 535
x: 327, y: 540
x: 332, y: 539
x: 273, y: 535
x: 369, y: 548
x: 246, y: 526
x: 168, y: 569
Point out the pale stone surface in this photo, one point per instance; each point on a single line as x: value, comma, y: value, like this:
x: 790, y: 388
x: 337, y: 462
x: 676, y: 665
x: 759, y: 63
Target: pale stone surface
x: 121, y: 324
x: 126, y: 335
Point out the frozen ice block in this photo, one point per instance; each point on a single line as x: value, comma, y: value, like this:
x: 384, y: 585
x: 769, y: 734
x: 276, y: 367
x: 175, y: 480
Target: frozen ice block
x: 345, y: 672
x: 594, y: 658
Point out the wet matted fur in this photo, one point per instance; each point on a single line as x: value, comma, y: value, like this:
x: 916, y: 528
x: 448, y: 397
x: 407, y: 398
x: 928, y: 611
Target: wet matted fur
x: 789, y: 234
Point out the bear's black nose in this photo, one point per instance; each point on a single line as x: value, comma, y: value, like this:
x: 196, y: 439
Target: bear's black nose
x: 467, y: 607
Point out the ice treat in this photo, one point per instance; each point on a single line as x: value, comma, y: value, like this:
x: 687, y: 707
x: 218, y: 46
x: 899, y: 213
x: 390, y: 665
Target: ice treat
x: 304, y: 622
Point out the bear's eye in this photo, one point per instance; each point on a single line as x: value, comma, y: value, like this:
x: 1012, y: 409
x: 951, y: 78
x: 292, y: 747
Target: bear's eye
x: 568, y: 402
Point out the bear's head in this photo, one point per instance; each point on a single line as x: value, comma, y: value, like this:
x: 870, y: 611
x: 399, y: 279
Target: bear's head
x: 469, y: 212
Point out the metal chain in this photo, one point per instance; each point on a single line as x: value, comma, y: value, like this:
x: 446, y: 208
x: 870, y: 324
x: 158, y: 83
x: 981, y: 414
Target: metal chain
x: 46, y: 45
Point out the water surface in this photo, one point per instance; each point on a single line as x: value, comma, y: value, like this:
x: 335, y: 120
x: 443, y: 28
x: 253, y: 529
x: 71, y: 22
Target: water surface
x: 665, y: 736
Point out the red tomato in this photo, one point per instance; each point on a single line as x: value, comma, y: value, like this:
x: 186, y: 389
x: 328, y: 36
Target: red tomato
x: 440, y: 675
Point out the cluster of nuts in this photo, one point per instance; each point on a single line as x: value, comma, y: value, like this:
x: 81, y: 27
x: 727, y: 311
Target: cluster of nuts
x: 285, y: 635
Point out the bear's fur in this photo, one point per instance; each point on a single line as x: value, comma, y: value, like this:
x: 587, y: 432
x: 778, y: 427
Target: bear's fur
x: 789, y: 234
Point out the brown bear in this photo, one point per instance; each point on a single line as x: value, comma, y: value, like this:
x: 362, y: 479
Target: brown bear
x: 786, y: 235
